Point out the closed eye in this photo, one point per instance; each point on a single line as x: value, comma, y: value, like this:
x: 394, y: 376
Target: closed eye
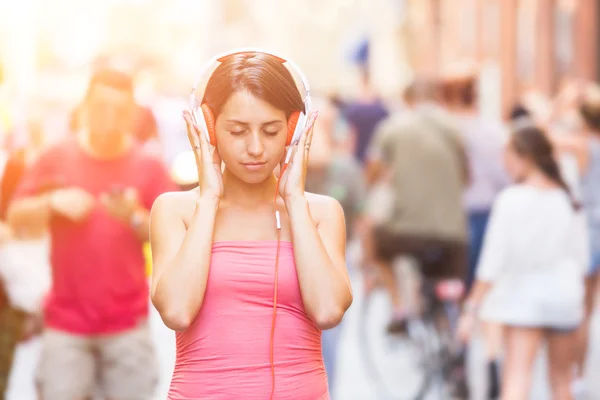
x: 271, y: 132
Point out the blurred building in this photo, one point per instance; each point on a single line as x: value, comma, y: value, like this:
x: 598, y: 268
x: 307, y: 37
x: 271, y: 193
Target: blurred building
x: 533, y: 44
x: 43, y: 42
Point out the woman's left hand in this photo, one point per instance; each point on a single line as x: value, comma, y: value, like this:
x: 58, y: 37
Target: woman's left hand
x: 291, y: 183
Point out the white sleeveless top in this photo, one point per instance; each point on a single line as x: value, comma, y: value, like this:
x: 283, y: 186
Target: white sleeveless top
x: 532, y: 233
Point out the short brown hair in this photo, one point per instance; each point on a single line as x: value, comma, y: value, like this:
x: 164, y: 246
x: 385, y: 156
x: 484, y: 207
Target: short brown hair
x: 113, y: 78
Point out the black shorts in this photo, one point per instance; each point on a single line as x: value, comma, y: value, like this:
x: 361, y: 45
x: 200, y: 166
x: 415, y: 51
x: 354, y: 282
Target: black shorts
x: 437, y: 258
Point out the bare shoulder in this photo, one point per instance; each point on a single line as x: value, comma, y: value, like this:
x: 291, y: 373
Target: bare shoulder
x: 176, y: 204
x: 324, y: 207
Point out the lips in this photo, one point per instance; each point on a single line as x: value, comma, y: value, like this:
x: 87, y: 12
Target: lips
x: 254, y: 166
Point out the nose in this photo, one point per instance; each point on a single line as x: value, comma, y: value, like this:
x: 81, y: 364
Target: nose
x: 109, y: 118
x: 255, y: 145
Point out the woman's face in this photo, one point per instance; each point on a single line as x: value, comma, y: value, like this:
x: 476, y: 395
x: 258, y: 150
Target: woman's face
x: 517, y: 166
x: 251, y: 136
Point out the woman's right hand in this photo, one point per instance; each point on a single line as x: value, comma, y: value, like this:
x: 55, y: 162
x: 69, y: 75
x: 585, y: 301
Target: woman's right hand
x: 466, y: 324
x: 208, y: 160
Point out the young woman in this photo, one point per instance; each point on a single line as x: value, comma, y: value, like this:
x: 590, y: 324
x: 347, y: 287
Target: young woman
x: 249, y: 300
x: 530, y: 276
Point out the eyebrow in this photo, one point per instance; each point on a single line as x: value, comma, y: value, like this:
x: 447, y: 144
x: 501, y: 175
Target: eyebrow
x: 235, y: 121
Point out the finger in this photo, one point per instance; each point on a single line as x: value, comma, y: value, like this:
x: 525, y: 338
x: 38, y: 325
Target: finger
x: 293, y: 160
x: 311, y: 129
x: 189, y: 123
x: 309, y: 136
x: 205, y: 147
x: 309, y: 125
x: 284, y: 173
x: 131, y: 195
x: 298, y: 154
x: 192, y: 130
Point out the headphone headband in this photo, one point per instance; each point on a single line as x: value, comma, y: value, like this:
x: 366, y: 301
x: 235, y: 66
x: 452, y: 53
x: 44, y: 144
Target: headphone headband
x: 195, y: 103
x: 243, y: 50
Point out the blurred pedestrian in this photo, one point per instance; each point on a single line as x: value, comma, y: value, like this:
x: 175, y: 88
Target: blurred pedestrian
x: 95, y: 190
x: 422, y: 150
x: 12, y: 322
x: 364, y: 114
x: 589, y: 156
x: 333, y: 171
x: 484, y: 141
x: 530, y: 275
x: 419, y: 157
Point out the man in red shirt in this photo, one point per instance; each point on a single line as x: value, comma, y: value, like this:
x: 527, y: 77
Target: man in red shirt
x: 95, y: 191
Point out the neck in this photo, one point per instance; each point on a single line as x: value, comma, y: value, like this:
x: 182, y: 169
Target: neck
x: 591, y: 133
x: 114, y: 150
x: 467, y: 111
x: 540, y: 180
x: 367, y: 94
x: 235, y: 191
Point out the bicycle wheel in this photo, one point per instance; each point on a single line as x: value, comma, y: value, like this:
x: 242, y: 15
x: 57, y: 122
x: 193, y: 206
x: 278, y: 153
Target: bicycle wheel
x: 447, y: 357
x: 452, y: 353
x: 398, y: 366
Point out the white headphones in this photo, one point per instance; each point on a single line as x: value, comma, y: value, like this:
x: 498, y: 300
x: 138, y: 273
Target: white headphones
x: 204, y: 117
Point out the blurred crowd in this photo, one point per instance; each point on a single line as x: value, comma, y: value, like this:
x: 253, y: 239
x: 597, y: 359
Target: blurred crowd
x: 418, y: 175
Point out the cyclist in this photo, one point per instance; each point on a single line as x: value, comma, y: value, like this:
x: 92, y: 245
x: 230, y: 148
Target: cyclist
x: 422, y: 153
x: 421, y: 159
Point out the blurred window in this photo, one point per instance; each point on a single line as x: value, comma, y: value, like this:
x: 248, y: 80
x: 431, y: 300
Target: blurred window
x: 467, y: 28
x: 490, y: 28
x: 527, y: 24
x: 564, y: 19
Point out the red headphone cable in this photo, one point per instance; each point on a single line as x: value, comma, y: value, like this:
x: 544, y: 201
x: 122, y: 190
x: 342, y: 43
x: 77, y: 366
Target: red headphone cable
x: 278, y: 222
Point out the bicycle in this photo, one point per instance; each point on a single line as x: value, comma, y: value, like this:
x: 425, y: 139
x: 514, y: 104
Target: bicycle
x: 428, y: 344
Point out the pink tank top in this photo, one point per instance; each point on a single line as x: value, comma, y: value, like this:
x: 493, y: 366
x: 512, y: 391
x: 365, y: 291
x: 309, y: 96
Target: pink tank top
x: 224, y: 355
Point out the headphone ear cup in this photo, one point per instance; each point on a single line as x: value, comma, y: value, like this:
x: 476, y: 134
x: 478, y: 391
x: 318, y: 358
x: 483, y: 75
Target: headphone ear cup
x: 292, y: 123
x: 209, y: 118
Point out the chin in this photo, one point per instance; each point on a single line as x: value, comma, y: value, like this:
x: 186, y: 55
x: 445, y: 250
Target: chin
x: 107, y: 139
x: 254, y: 177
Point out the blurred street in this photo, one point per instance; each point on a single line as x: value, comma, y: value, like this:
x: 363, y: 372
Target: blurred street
x: 353, y: 382
x: 462, y: 134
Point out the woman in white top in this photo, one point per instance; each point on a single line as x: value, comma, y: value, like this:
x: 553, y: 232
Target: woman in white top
x: 531, y: 273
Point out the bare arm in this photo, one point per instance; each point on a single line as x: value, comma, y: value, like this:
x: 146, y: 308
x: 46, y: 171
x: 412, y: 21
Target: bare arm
x: 142, y: 224
x: 29, y: 213
x: 374, y: 169
x: 31, y: 205
x: 478, y: 293
x: 181, y: 259
x: 378, y: 157
x: 493, y: 254
x: 471, y: 306
x: 320, y: 257
x: 463, y: 158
